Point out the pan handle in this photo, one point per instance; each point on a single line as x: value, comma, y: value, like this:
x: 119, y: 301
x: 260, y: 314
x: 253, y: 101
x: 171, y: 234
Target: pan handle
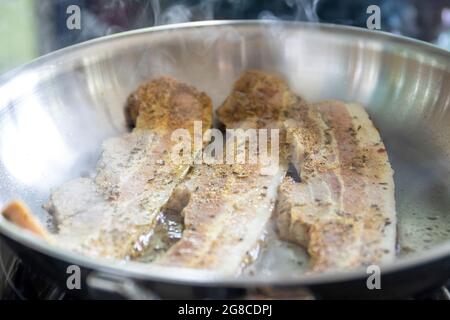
x: 102, y: 285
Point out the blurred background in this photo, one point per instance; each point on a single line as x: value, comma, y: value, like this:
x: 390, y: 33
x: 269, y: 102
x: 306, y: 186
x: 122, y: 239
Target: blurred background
x: 30, y: 28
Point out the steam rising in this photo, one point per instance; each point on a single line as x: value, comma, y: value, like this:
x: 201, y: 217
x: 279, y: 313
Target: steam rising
x: 302, y: 10
x: 102, y: 18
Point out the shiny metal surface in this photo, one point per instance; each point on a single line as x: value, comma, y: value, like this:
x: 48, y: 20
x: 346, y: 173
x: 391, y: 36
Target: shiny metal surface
x: 56, y: 111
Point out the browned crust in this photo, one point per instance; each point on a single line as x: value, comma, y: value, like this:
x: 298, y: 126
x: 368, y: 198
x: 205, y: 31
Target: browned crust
x: 167, y: 104
x: 256, y: 95
x: 215, y: 217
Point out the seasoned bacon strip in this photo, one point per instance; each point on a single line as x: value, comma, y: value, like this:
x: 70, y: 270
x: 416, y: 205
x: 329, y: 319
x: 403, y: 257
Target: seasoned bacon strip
x: 343, y: 210
x: 226, y: 217
x: 230, y: 205
x: 108, y: 215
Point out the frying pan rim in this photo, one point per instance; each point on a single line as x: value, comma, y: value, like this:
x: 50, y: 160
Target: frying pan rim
x: 6, y: 76
x: 140, y: 271
x: 166, y: 274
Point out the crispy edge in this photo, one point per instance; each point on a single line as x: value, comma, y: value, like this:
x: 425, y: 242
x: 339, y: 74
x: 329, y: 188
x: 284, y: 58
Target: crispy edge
x: 160, y: 102
x: 19, y: 214
x: 256, y: 95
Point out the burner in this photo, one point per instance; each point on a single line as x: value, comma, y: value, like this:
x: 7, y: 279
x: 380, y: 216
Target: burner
x: 19, y: 282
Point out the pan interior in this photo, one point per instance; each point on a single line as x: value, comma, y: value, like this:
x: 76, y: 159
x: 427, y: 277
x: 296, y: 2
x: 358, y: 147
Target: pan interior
x: 55, y: 113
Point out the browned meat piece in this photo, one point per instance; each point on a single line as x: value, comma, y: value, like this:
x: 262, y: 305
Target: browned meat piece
x: 165, y: 104
x: 343, y: 210
x: 258, y: 100
x: 225, y: 218
x: 231, y: 204
x: 109, y: 216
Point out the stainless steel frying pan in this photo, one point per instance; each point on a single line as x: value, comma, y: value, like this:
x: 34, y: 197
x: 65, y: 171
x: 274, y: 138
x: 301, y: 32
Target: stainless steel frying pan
x: 56, y: 111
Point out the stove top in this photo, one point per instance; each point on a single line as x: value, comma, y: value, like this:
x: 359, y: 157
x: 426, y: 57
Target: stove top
x: 20, y: 282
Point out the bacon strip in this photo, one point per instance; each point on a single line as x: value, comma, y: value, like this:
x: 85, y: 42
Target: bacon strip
x: 231, y: 205
x: 343, y: 210
x: 107, y: 216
